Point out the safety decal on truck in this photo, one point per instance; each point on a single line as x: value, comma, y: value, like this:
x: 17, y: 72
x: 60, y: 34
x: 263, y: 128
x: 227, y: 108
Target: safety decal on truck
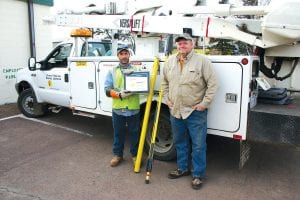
x: 49, y: 83
x: 81, y: 64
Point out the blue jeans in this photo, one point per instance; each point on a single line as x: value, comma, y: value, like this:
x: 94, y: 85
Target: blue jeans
x: 195, y: 128
x: 119, y: 125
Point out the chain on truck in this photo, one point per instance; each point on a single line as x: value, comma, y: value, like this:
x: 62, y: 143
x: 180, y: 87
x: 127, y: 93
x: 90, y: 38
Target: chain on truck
x: 73, y: 74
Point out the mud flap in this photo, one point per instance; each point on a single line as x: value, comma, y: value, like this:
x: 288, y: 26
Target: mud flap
x: 245, y: 148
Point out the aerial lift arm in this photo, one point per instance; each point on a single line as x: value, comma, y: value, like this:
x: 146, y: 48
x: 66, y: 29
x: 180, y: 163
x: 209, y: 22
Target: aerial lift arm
x: 199, y: 26
x: 278, y: 26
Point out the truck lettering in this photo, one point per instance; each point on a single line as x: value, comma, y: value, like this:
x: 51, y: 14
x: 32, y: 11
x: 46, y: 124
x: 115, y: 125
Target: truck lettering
x: 53, y: 77
x: 125, y: 23
x: 49, y: 77
x: 56, y: 77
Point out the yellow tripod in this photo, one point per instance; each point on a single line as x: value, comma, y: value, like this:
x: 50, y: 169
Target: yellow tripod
x: 153, y: 136
x: 137, y: 166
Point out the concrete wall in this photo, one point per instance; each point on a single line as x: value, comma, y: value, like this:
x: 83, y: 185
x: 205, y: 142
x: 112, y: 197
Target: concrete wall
x: 15, y: 44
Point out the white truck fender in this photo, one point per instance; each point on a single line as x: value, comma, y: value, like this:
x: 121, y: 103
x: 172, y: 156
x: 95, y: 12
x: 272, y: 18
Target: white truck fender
x: 25, y: 75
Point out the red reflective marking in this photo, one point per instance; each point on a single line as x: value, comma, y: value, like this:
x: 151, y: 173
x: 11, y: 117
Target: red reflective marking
x: 238, y: 137
x: 131, y: 23
x: 207, y: 24
x: 143, y: 21
x: 244, y: 61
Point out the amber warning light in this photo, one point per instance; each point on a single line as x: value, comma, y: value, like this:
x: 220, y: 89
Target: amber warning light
x: 81, y: 32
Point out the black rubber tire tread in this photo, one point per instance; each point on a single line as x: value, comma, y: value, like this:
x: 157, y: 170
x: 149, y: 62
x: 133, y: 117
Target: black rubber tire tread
x: 39, y: 110
x: 164, y: 121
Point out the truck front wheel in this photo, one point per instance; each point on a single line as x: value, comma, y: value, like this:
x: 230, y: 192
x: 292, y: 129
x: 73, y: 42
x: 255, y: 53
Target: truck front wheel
x: 29, y: 106
x: 164, y: 148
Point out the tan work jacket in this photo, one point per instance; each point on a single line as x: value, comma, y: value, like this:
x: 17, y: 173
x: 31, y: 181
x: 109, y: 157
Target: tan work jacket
x: 195, y: 83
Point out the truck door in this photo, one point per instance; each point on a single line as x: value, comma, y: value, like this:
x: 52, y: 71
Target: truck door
x: 106, y: 102
x: 52, y: 78
x: 83, y: 87
x: 228, y: 113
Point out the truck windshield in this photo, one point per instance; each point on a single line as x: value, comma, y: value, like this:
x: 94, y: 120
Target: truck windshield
x: 96, y: 49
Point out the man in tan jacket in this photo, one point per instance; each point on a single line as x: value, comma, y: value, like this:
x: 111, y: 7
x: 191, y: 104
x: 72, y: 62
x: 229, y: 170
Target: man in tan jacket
x: 189, y: 85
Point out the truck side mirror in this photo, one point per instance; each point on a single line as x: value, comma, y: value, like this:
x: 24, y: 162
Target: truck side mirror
x: 32, y: 64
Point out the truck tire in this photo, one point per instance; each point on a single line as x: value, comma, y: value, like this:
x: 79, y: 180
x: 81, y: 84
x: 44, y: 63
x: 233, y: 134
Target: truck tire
x: 28, y: 105
x: 164, y: 148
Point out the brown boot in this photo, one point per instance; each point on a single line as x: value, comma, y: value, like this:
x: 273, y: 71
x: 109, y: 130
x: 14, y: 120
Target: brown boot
x: 177, y: 173
x: 197, y: 183
x: 115, y: 161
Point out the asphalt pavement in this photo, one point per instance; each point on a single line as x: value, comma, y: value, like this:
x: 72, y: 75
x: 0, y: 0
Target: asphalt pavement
x: 62, y: 156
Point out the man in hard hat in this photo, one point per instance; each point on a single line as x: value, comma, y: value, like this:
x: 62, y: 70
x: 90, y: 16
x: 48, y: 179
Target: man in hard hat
x: 125, y: 107
x: 189, y: 85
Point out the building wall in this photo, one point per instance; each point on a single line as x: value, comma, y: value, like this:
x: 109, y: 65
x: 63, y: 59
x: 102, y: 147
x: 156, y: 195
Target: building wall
x: 43, y: 32
x: 15, y: 42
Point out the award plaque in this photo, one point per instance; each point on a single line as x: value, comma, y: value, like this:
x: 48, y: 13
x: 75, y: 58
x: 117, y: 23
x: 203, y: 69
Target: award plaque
x: 137, y: 82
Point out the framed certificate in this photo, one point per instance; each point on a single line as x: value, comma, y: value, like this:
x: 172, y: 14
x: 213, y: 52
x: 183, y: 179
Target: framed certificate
x: 137, y: 82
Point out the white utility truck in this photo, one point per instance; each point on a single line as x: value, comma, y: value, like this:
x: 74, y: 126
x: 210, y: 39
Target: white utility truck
x: 69, y: 78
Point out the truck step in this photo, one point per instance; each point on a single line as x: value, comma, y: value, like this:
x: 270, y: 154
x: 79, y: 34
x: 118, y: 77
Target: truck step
x: 276, y: 124
x: 55, y: 109
x: 84, y: 114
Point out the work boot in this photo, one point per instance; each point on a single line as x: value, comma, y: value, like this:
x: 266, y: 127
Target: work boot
x: 197, y: 183
x: 177, y: 174
x: 115, y: 161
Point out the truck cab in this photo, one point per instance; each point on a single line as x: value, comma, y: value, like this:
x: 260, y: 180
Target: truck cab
x: 47, y: 82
